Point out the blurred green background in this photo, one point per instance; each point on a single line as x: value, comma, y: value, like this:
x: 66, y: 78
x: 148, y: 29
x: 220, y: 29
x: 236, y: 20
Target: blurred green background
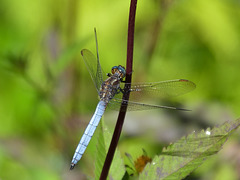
x: 47, y: 96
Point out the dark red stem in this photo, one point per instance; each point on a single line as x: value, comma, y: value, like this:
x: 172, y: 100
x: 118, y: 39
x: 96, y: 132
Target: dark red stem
x: 123, y: 109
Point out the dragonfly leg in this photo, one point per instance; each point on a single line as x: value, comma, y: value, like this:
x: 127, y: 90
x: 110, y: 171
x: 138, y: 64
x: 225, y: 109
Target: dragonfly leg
x: 125, y: 90
x: 109, y: 74
x: 122, y: 80
x: 120, y: 90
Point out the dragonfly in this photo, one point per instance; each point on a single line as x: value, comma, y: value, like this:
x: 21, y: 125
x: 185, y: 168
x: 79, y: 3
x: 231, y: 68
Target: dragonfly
x: 110, y: 93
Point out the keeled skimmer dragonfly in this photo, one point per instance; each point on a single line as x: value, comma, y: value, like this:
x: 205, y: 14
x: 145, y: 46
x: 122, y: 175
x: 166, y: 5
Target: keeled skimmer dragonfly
x: 110, y: 93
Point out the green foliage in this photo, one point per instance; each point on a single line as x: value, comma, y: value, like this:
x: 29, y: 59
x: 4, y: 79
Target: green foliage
x: 182, y: 157
x: 117, y: 169
x: 176, y: 161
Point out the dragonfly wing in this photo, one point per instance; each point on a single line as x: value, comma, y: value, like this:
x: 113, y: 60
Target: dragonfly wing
x: 161, y: 90
x: 115, y: 104
x: 94, y: 67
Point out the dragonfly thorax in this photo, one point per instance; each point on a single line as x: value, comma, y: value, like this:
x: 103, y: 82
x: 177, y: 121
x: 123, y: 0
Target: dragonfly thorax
x: 110, y: 87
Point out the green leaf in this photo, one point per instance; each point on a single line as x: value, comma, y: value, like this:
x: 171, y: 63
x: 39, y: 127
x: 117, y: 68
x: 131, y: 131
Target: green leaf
x: 181, y: 158
x: 117, y: 169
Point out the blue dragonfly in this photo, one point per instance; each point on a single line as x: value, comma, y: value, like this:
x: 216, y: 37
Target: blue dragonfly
x: 110, y: 93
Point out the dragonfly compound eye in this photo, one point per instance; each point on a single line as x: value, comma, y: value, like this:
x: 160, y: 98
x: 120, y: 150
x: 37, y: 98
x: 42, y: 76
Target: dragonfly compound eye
x: 122, y: 70
x: 114, y: 69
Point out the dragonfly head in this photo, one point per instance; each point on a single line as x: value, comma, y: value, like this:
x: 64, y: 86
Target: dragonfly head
x: 120, y: 70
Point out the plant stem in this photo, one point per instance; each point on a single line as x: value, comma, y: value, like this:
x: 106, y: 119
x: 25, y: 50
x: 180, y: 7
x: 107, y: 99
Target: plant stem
x: 123, y: 108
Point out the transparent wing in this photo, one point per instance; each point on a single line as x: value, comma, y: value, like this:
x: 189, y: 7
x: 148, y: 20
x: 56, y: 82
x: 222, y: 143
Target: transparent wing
x: 160, y: 90
x: 115, y: 104
x: 94, y: 67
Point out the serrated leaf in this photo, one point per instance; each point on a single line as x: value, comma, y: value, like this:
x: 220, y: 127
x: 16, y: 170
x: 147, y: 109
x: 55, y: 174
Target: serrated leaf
x: 181, y: 158
x: 117, y: 169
